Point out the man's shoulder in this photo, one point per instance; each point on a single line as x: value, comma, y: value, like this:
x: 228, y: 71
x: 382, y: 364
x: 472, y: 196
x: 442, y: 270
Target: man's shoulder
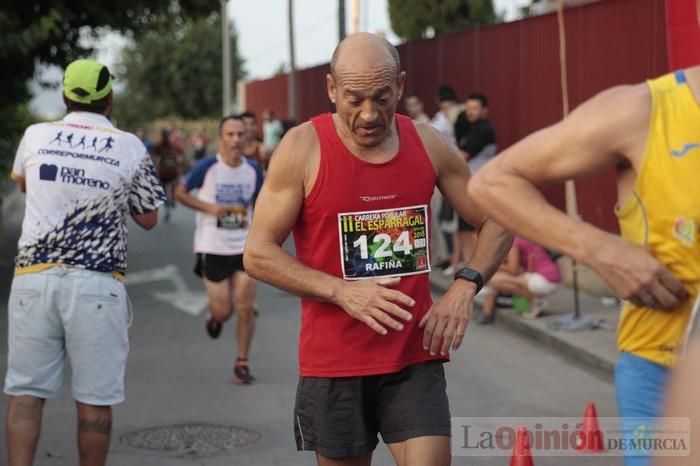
x: 429, y: 135
x: 301, y: 138
x: 43, y: 127
x: 204, y: 164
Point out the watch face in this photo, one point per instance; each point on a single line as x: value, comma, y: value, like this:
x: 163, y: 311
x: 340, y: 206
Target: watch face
x: 471, y: 276
x: 468, y: 274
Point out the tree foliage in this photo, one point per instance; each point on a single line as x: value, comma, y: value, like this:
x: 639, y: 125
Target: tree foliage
x: 177, y: 73
x: 55, y: 32
x: 412, y: 19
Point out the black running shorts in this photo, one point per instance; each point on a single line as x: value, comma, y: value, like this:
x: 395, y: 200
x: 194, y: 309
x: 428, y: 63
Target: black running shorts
x: 216, y: 268
x: 340, y: 417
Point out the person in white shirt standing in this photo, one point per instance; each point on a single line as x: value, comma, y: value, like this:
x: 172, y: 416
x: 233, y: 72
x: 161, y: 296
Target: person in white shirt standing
x: 82, y: 177
x: 227, y: 185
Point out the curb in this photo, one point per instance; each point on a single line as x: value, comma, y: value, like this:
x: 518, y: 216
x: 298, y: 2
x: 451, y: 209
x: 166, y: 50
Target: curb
x: 512, y: 321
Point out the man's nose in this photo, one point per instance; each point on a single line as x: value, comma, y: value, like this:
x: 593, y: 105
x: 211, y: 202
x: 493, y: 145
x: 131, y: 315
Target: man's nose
x: 368, y: 111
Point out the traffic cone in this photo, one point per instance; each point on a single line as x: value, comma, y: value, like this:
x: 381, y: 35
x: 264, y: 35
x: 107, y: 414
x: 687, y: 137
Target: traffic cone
x: 590, y: 439
x: 521, y: 451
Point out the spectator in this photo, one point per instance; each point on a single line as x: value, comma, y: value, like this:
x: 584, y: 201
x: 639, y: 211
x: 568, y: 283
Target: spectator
x: 199, y: 141
x: 253, y: 148
x: 529, y: 271
x: 477, y: 141
x: 414, y: 108
x: 444, y: 121
x: 272, y: 130
x: 446, y: 116
x: 142, y: 134
x: 169, y: 162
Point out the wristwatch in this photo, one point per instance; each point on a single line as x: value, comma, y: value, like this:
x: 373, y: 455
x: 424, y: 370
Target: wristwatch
x: 471, y: 275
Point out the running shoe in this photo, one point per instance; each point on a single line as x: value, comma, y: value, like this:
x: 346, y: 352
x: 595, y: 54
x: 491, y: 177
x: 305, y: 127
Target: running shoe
x: 213, y: 327
x: 241, y: 373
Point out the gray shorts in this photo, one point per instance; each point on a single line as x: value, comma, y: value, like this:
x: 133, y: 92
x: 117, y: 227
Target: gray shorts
x: 341, y: 417
x: 79, y: 314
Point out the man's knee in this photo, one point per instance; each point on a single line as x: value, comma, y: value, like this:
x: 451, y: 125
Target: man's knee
x: 245, y: 308
x: 221, y: 310
x: 24, y: 408
x: 94, y: 419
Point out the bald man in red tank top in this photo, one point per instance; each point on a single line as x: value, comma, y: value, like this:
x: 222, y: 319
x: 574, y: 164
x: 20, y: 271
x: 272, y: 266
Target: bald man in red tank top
x: 354, y: 188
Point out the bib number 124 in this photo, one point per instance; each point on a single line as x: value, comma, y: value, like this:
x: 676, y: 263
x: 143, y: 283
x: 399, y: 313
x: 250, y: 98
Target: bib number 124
x: 386, y: 248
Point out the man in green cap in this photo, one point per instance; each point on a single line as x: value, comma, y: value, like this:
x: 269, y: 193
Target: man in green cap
x: 81, y: 176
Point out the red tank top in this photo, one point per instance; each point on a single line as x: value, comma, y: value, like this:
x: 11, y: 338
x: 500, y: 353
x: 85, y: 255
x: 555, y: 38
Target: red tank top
x: 362, y: 220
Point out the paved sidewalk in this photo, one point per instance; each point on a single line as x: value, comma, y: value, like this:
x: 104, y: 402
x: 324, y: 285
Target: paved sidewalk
x: 596, y: 348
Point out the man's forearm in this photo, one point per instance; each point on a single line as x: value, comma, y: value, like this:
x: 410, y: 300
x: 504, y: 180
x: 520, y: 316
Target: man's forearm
x: 190, y: 201
x: 515, y: 203
x: 275, y: 266
x: 492, y: 246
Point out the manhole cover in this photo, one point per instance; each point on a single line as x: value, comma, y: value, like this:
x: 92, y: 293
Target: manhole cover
x: 194, y: 439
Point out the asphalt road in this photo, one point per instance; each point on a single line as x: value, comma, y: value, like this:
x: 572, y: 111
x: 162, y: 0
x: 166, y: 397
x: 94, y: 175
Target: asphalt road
x: 178, y: 380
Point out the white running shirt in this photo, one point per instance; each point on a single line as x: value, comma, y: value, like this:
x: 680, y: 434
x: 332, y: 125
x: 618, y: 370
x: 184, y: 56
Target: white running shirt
x: 220, y: 183
x: 83, y: 177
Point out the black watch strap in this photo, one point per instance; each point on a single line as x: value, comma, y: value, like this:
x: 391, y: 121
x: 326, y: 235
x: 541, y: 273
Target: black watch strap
x: 471, y: 275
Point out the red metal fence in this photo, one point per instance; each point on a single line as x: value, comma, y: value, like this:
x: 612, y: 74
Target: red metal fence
x: 517, y: 66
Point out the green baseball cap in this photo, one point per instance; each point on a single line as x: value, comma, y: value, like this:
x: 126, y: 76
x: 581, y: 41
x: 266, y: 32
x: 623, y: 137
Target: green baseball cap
x: 86, y: 81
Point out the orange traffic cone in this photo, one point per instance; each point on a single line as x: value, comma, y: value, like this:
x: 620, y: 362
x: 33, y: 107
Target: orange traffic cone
x: 521, y: 451
x: 590, y: 439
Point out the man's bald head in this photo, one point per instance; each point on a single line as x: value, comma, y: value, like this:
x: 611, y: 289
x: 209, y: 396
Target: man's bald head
x: 364, y: 47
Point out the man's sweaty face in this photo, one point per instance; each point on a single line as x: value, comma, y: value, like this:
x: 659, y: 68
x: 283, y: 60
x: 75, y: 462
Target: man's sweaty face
x: 366, y: 102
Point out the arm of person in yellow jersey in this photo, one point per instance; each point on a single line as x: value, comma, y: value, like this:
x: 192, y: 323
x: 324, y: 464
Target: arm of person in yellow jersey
x: 608, y: 131
x: 290, y: 178
x: 446, y: 322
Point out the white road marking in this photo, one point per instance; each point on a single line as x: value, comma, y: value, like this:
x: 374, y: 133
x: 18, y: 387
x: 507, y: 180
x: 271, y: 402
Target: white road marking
x: 182, y: 298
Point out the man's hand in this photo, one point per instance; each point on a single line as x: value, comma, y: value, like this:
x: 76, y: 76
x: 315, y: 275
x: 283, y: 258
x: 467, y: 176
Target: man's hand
x: 218, y: 210
x: 372, y: 302
x: 634, y: 274
x: 446, y: 322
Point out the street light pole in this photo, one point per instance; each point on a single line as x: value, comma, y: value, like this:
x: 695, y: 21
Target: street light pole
x: 226, y: 59
x: 292, y: 79
x: 341, y: 20
x: 355, y: 16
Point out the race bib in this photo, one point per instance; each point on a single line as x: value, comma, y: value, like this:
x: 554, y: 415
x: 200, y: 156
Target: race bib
x: 236, y: 219
x: 390, y: 242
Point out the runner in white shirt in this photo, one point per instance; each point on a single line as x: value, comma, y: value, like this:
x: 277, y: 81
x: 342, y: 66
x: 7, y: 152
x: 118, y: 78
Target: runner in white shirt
x: 82, y: 177
x: 227, y: 185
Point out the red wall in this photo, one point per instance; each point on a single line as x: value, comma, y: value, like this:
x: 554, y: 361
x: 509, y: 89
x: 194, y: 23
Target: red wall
x: 517, y: 66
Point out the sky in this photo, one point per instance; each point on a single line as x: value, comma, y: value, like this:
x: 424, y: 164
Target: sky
x: 262, y: 31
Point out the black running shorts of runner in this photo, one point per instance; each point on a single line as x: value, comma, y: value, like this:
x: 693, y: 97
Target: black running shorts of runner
x: 216, y: 268
x: 341, y: 417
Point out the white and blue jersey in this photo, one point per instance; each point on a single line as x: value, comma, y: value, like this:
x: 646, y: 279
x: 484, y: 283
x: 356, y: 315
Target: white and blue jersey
x: 235, y: 187
x: 83, y: 177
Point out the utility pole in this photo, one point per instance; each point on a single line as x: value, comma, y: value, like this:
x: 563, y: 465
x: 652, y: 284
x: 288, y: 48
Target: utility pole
x: 292, y: 78
x: 225, y: 59
x: 355, y: 16
x: 341, y: 20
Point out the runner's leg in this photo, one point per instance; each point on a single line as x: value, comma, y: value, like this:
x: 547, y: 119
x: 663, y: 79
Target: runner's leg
x: 365, y: 460
x: 220, y: 299
x: 431, y: 450
x: 244, y: 297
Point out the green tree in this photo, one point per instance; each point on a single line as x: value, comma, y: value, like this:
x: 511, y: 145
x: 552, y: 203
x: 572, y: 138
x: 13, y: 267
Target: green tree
x: 55, y: 32
x: 175, y: 74
x: 412, y: 19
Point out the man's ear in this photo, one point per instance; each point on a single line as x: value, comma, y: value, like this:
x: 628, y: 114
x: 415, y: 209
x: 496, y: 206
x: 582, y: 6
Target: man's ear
x: 402, y: 82
x: 330, y: 87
